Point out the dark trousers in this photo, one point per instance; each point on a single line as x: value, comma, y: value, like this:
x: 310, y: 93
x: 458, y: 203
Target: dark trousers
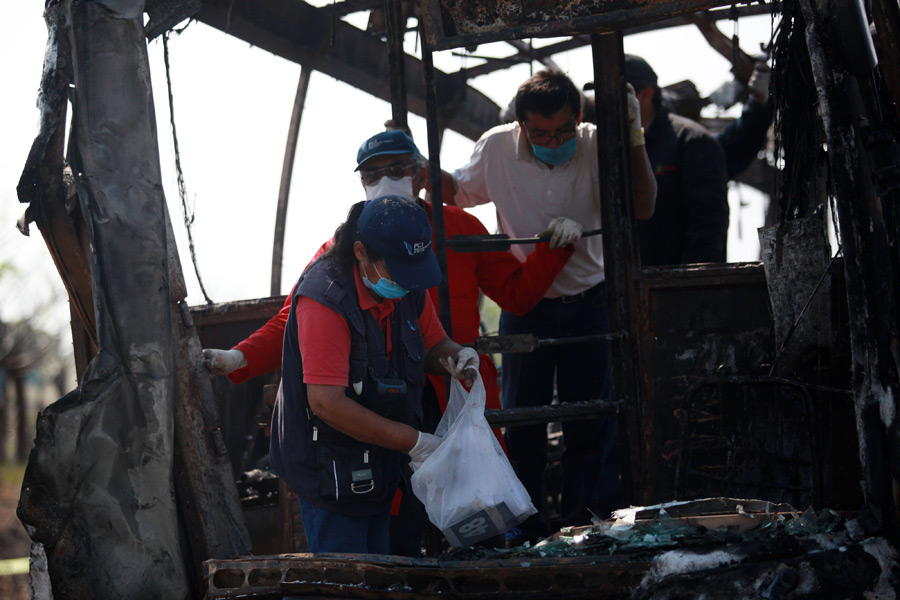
x: 590, y: 461
x: 328, y: 531
x: 408, y: 525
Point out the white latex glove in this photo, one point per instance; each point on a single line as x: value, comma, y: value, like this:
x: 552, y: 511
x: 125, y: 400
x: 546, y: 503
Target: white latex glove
x: 563, y: 232
x: 425, y: 445
x: 758, y: 86
x: 223, y: 362
x: 464, y: 366
x: 635, y: 131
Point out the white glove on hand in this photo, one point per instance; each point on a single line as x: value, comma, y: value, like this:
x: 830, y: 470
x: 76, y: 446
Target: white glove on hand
x: 635, y: 131
x: 563, y: 232
x: 223, y: 362
x: 425, y: 445
x: 465, y: 366
x: 758, y: 86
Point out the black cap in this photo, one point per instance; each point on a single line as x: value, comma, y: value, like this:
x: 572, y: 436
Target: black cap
x: 638, y: 72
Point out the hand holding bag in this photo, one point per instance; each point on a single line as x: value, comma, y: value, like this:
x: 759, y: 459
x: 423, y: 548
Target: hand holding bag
x: 467, y: 485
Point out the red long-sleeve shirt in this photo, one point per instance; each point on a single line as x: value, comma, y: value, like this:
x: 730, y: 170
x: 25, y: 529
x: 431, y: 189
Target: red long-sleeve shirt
x: 515, y: 286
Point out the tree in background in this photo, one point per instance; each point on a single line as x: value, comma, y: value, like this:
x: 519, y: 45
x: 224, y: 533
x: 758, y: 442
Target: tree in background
x: 29, y: 355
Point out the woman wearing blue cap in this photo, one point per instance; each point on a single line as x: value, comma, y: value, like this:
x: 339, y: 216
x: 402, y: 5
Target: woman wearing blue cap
x: 362, y: 332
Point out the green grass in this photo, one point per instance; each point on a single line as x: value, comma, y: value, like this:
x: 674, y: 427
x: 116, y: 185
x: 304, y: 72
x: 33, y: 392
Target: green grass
x: 11, y: 475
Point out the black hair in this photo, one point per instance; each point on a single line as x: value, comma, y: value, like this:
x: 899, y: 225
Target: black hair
x: 345, y: 236
x: 546, y: 93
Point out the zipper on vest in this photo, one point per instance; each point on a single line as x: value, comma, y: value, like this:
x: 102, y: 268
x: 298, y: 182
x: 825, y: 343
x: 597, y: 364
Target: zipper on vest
x: 366, y: 457
x: 315, y: 433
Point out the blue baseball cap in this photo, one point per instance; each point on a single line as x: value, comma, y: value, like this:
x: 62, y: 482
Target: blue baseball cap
x: 386, y: 142
x: 399, y: 230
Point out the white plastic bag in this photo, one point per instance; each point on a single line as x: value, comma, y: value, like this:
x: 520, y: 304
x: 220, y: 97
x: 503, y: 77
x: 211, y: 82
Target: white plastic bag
x: 467, y: 485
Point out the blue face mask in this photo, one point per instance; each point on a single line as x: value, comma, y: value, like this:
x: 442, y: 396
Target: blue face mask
x: 555, y: 156
x: 385, y: 287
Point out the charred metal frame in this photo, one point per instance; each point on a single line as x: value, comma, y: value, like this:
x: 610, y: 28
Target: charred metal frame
x: 379, y: 576
x: 307, y: 35
x: 458, y: 24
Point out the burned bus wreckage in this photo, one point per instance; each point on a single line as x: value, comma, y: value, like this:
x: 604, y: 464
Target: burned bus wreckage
x: 757, y: 401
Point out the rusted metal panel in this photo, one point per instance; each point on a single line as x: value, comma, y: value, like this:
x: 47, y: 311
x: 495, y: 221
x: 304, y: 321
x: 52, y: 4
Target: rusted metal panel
x: 712, y: 420
x: 393, y: 577
x: 456, y: 23
x: 211, y: 319
x: 695, y: 322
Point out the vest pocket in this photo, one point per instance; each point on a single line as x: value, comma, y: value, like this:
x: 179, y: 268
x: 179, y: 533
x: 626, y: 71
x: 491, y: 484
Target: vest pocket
x: 350, y: 474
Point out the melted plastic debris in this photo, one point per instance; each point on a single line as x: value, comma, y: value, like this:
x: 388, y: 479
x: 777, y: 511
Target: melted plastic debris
x: 626, y: 534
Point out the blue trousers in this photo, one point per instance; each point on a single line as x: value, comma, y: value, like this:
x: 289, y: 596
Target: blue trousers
x: 328, y: 531
x: 590, y: 461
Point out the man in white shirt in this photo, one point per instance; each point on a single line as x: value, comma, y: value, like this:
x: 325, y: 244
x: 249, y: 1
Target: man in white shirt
x: 544, y: 167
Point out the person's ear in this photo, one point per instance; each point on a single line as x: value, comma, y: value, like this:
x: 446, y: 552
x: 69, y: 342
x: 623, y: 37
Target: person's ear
x: 359, y: 251
x: 645, y: 94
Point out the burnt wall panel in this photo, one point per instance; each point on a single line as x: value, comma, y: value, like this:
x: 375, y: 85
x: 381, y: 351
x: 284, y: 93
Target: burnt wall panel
x: 714, y: 422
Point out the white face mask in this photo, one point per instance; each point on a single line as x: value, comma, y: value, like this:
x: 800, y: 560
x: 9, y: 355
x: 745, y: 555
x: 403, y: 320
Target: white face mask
x: 390, y: 187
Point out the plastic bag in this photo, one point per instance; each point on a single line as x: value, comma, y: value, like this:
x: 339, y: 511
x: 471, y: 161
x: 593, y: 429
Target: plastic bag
x: 467, y: 485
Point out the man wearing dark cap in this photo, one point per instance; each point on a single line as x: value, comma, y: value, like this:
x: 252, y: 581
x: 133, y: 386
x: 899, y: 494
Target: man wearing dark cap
x: 690, y: 224
x: 361, y: 334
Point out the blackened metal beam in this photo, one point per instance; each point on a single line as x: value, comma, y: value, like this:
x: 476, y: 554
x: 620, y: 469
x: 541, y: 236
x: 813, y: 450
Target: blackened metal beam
x: 396, y: 28
x: 287, y: 171
x: 565, y: 411
x: 542, y: 53
x: 307, y: 35
x: 619, y: 243
x: 870, y: 293
x: 437, y: 197
x: 348, y: 7
x: 166, y: 14
x: 469, y: 23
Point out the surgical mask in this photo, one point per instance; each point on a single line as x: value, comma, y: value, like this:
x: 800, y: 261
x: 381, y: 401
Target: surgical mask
x: 390, y: 187
x: 385, y: 287
x: 555, y: 156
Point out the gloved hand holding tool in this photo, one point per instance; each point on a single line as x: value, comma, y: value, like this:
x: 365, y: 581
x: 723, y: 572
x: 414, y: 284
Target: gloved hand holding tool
x: 563, y: 231
x: 501, y: 242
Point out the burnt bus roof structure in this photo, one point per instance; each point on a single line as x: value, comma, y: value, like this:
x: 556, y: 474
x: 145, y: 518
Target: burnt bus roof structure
x: 775, y: 380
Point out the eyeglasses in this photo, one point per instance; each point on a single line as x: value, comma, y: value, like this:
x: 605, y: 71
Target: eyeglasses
x: 393, y: 171
x: 562, y: 135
